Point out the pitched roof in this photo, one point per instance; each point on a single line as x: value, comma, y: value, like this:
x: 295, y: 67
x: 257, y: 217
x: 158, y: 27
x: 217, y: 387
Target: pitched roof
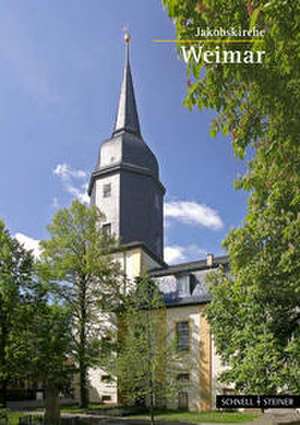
x: 189, y: 267
x: 199, y: 293
x: 127, y: 116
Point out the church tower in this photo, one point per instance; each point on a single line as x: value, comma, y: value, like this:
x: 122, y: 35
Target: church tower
x: 125, y: 184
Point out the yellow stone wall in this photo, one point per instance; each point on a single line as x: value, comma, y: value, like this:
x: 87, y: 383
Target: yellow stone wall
x: 205, y: 369
x: 135, y: 262
x: 198, y: 360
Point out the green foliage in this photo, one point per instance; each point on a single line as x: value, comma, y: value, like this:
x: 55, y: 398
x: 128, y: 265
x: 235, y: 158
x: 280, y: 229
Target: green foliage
x: 35, y: 335
x: 76, y: 263
x: 146, y: 364
x: 48, y: 345
x: 13, y: 417
x: 255, y: 310
x: 17, y: 295
x: 253, y: 101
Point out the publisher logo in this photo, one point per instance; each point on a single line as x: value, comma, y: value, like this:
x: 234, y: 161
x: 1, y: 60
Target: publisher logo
x: 257, y: 401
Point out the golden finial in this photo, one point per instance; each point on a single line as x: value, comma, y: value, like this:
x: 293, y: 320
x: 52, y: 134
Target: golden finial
x: 127, y: 36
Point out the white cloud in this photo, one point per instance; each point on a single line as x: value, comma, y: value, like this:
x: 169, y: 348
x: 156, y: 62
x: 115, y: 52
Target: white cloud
x: 69, y: 177
x: 177, y: 254
x: 65, y: 171
x: 79, y: 193
x: 193, y: 213
x: 29, y: 243
x: 55, y: 203
x: 174, y: 254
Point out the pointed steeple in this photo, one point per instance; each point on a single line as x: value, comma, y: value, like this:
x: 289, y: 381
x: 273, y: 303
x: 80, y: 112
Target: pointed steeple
x: 127, y: 117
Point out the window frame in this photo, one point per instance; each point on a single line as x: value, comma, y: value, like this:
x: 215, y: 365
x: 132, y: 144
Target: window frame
x: 106, y: 190
x: 185, y: 348
x: 106, y: 379
x: 107, y: 229
x: 183, y: 285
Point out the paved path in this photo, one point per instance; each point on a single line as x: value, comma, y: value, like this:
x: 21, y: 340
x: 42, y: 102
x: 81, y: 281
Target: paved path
x: 278, y: 417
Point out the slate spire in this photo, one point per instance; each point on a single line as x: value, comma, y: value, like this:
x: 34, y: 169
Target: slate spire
x: 127, y: 117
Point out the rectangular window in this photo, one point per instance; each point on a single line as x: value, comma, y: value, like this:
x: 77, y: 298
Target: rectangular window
x: 106, y: 378
x: 183, y: 400
x: 183, y: 336
x: 183, y: 377
x: 183, y: 286
x: 106, y: 229
x: 106, y: 190
x: 106, y: 398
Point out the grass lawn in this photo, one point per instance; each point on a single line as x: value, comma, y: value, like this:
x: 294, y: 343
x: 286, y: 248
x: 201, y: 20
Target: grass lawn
x: 101, y: 408
x: 166, y: 416
x: 174, y: 416
x: 203, y: 417
x: 13, y: 417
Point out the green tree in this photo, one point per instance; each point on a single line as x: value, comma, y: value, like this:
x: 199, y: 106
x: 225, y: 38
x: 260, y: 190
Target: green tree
x: 255, y: 310
x: 146, y: 363
x: 43, y: 349
x: 77, y: 262
x: 16, y: 292
x: 52, y: 361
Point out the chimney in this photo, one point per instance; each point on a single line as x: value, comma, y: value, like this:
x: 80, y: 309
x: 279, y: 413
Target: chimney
x: 209, y: 260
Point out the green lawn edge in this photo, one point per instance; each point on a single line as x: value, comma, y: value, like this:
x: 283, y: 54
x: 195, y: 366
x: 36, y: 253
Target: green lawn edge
x: 202, y: 417
x: 175, y: 416
x: 163, y: 416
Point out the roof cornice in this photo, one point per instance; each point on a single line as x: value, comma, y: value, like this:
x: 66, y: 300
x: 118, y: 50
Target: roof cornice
x: 123, y: 166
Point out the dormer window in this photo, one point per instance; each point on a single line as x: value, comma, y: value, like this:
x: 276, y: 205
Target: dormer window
x: 183, y: 286
x: 106, y: 190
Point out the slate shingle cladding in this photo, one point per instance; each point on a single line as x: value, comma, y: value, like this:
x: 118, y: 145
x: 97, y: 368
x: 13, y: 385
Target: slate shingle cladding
x: 171, y: 278
x: 135, y: 207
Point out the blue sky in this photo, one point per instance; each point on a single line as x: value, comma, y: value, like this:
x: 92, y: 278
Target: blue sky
x: 60, y: 75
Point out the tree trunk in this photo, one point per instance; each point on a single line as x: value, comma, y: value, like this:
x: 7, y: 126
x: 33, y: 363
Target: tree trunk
x: 52, y: 407
x: 84, y: 399
x: 150, y: 365
x: 84, y: 395
x: 152, y: 410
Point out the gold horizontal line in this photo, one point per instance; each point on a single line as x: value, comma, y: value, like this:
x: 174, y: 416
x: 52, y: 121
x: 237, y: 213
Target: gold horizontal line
x: 207, y: 40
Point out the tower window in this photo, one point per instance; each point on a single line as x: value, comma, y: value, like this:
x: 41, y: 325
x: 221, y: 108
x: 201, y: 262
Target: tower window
x: 106, y: 229
x: 106, y: 378
x: 106, y: 190
x: 183, y: 336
